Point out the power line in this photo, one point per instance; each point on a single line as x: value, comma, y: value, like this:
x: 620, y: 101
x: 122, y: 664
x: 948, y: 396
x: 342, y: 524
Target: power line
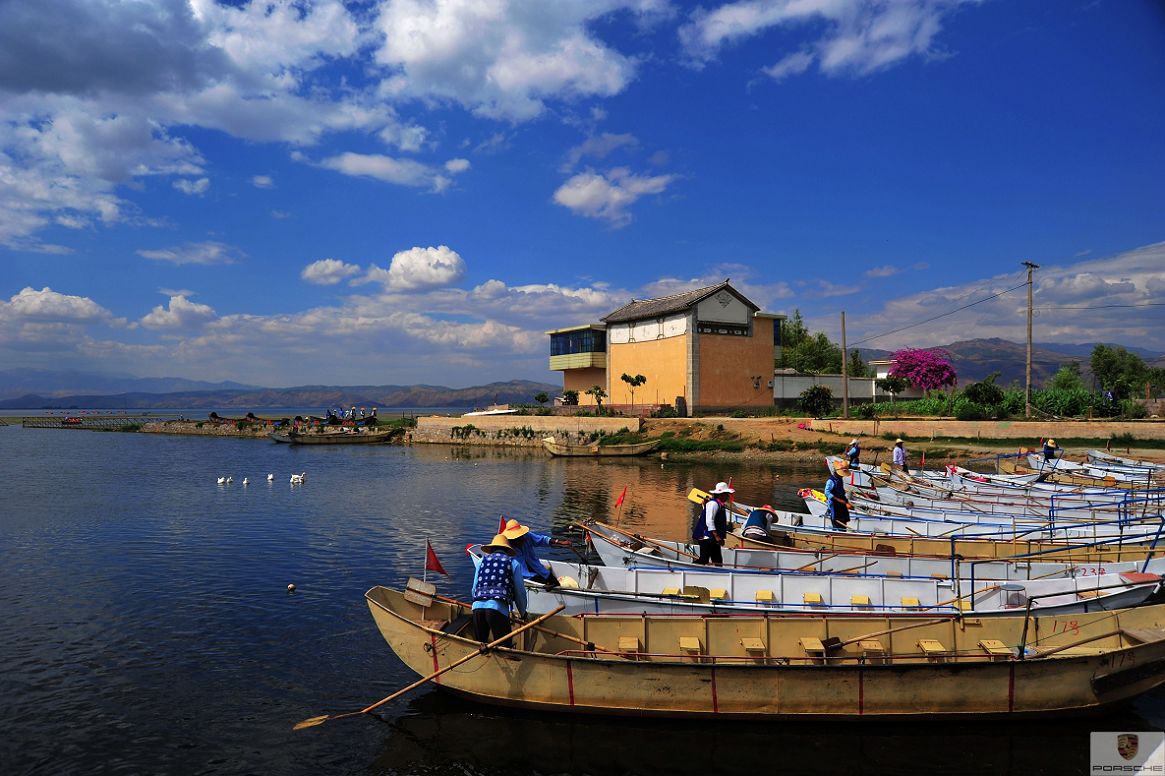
x: 942, y: 315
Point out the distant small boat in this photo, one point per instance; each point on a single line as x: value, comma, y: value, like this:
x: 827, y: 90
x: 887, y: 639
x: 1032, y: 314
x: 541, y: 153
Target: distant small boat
x: 343, y: 437
x: 594, y: 449
x: 493, y: 409
x: 280, y: 438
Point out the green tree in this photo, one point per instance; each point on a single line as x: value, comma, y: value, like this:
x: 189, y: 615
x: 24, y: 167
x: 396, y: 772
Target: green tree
x: 817, y: 401
x: 985, y: 392
x: 892, y: 385
x: 633, y: 382
x: 1119, y: 371
x: 857, y: 367
x: 599, y: 394
x: 1067, y: 378
x: 815, y: 355
x: 542, y: 398
x: 570, y: 398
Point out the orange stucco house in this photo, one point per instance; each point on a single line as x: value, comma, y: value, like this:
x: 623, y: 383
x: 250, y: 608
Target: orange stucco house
x: 703, y: 350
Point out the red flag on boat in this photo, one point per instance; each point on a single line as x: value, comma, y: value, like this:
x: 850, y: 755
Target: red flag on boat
x: 431, y: 561
x: 619, y: 501
x: 502, y: 524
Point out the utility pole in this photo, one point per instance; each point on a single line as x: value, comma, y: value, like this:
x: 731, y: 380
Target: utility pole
x: 1027, y: 394
x: 844, y: 371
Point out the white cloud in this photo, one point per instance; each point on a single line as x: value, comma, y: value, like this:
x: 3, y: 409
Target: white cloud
x: 328, y: 272
x: 209, y: 252
x: 419, y: 268
x: 608, y: 196
x: 263, y: 181
x: 884, y: 271
x: 403, y: 172
x: 193, y: 187
x: 502, y: 58
x: 793, y: 64
x: 858, y: 36
x: 456, y: 166
x: 181, y: 314
x: 598, y: 147
x: 48, y: 305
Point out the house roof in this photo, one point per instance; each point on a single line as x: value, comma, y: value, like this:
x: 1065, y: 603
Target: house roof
x: 639, y: 309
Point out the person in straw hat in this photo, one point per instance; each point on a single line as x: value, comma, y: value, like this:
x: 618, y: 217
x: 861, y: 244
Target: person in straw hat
x: 497, y: 588
x: 759, y: 523
x: 524, y: 541
x: 1049, y: 449
x: 712, y: 525
x: 837, y: 504
x: 853, y: 453
x: 900, y: 456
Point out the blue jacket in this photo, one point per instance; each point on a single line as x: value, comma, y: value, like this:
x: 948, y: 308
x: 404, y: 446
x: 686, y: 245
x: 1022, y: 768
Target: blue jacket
x: 854, y: 453
x: 834, y: 488
x: 532, y: 567
x: 515, y: 587
x: 713, y: 517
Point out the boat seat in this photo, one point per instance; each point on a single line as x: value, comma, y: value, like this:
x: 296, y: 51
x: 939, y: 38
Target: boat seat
x: 718, y: 594
x: 859, y: 600
x: 753, y: 646
x: 933, y: 649
x: 629, y: 645
x: 813, y: 599
x: 964, y: 606
x: 690, y: 645
x: 697, y: 593
x: 894, y: 573
x: 873, y: 651
x: 996, y: 649
x: 910, y: 602
x: 670, y: 591
x: 1090, y: 593
x: 813, y: 648
x: 765, y: 597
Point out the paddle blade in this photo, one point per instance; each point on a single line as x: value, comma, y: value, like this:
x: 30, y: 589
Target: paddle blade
x: 697, y: 496
x: 311, y: 722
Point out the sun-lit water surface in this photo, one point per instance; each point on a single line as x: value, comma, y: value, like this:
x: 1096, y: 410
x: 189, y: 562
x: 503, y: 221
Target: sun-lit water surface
x: 146, y: 626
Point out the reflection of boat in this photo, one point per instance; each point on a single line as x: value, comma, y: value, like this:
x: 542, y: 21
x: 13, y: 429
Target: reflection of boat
x: 758, y: 666
x: 343, y: 437
x: 595, y: 449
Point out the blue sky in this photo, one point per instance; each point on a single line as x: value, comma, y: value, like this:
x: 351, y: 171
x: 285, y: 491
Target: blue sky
x: 401, y: 191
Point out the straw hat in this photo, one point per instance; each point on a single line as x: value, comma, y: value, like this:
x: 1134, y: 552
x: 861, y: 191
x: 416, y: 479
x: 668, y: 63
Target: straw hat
x: 853, y: 441
x: 722, y: 487
x: 841, y: 466
x: 898, y: 441
x: 514, y: 529
x: 1051, y: 443
x: 499, y: 543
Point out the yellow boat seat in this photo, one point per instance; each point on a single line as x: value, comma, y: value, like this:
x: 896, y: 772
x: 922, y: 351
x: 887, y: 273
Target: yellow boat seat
x: 812, y: 646
x: 872, y: 650
x: 690, y: 644
x: 996, y: 649
x: 628, y: 643
x: 671, y: 591
x: 752, y: 645
x: 859, y: 600
x: 910, y: 602
x: 813, y: 599
x: 718, y: 594
x: 765, y: 597
x: 964, y: 606
x: 933, y: 649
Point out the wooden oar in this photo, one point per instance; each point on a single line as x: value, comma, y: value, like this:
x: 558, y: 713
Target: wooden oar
x: 313, y: 721
x: 697, y: 496
x: 817, y: 562
x: 892, y: 630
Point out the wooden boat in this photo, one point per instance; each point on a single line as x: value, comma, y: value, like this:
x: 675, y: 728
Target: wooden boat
x: 343, y: 437
x: 763, y: 666
x: 283, y: 439
x: 623, y: 549
x: 595, y: 449
x: 602, y: 589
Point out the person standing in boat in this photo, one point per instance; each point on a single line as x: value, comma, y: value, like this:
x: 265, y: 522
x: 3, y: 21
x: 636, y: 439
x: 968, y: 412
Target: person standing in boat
x: 837, y: 504
x: 853, y: 454
x: 497, y: 588
x: 523, y: 540
x: 712, y: 525
x: 758, y: 523
x: 1049, y: 450
x: 900, y: 457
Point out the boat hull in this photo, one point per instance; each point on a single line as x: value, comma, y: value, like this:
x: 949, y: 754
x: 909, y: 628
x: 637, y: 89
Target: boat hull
x: 596, y: 450
x: 545, y: 672
x: 353, y: 438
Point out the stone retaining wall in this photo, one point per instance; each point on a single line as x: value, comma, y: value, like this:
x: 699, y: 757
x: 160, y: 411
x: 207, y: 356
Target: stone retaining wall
x: 1027, y: 430
x: 514, y: 430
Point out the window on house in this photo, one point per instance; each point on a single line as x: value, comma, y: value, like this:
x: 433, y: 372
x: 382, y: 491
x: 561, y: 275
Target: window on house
x: 582, y: 341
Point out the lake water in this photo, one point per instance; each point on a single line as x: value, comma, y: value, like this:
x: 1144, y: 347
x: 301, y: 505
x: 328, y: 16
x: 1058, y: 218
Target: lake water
x: 145, y: 625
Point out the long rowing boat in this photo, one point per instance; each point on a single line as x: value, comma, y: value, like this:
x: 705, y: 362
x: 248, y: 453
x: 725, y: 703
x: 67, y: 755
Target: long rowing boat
x: 759, y: 666
x: 595, y: 450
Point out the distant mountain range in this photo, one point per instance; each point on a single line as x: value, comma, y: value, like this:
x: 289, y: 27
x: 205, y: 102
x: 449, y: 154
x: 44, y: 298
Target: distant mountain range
x: 36, y: 389
x: 321, y: 396
x: 975, y: 359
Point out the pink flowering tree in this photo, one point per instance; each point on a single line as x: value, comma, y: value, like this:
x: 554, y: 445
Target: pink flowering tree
x: 925, y: 369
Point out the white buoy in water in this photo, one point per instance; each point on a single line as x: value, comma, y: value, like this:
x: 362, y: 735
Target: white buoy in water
x: 246, y: 481
x: 291, y: 588
x: 270, y: 478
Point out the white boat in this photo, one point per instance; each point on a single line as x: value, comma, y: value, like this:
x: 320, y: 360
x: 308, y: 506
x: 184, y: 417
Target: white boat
x: 607, y: 589
x: 1108, y: 459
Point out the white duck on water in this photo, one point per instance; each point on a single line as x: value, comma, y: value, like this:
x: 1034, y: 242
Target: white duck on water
x: 298, y: 478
